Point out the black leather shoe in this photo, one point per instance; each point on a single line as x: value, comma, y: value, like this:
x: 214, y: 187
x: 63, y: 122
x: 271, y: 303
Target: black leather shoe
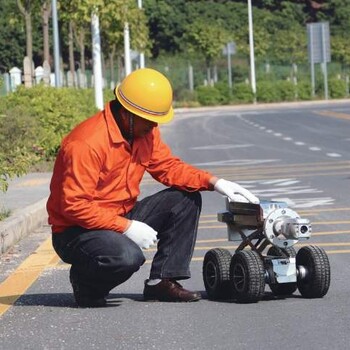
x: 169, y: 290
x: 85, y: 299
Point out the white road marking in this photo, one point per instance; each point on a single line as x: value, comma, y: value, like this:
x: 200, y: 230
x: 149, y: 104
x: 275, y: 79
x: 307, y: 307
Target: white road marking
x: 305, y: 202
x: 268, y: 182
x: 288, y: 183
x: 314, y: 148
x: 333, y: 155
x: 225, y: 146
x: 299, y: 143
x: 237, y: 162
x: 285, y: 190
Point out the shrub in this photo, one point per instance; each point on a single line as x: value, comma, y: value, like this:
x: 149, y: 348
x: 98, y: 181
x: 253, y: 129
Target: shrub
x: 337, y: 88
x: 304, y: 90
x: 242, y: 92
x: 286, y: 90
x: 209, y: 96
x: 266, y: 92
x: 225, y: 92
x: 34, y: 121
x: 50, y: 113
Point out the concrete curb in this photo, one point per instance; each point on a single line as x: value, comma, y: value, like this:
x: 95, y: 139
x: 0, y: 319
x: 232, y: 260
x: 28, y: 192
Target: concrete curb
x: 21, y: 223
x: 252, y: 106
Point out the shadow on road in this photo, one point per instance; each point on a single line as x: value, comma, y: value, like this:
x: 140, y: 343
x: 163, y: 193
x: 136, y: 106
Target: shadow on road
x: 62, y: 299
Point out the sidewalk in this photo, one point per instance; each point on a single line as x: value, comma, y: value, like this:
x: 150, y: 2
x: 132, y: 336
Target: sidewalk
x: 26, y: 199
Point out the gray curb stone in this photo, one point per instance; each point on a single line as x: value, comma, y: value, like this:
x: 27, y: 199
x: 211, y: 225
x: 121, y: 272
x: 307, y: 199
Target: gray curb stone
x: 25, y: 220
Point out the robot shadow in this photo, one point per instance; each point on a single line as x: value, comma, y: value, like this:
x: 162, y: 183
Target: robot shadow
x: 268, y: 296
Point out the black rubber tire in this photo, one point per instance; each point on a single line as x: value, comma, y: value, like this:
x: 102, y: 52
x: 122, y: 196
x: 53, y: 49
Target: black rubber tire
x: 247, y: 276
x: 282, y: 288
x: 318, y: 272
x: 216, y: 274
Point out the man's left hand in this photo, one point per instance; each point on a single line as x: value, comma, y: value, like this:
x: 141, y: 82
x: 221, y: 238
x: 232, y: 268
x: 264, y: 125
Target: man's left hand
x: 234, y: 191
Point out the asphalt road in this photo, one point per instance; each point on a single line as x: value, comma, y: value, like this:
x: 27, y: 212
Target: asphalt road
x: 298, y: 154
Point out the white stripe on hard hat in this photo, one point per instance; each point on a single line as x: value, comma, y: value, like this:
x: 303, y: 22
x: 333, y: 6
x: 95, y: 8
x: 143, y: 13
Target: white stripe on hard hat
x: 139, y: 107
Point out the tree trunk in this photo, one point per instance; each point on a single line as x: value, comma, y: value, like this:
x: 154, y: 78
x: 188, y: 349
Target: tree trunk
x: 71, y: 52
x: 46, y: 13
x: 111, y: 62
x: 79, y: 35
x: 26, y: 13
x: 82, y: 50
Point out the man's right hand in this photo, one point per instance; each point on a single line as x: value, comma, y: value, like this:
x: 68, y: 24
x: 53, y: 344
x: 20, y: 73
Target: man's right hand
x: 142, y: 234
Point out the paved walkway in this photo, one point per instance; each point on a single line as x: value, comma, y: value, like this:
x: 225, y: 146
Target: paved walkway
x: 25, y: 190
x: 26, y: 199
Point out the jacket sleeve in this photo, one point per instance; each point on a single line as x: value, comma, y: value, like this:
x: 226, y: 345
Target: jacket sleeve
x: 79, y: 182
x: 172, y: 171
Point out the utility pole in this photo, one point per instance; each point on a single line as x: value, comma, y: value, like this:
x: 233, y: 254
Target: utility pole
x: 96, y: 57
x: 142, y: 55
x: 251, y: 47
x: 56, y: 47
x: 127, y: 59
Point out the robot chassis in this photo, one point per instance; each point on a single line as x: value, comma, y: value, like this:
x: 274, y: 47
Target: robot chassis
x: 244, y: 275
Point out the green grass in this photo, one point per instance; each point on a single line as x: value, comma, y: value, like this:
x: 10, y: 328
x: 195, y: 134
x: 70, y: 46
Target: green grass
x: 4, y: 213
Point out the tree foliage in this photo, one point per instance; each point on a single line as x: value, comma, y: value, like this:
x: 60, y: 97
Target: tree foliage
x: 180, y: 26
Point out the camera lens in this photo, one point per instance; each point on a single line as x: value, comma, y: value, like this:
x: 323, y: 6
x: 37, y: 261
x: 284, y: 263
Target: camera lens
x: 304, y: 229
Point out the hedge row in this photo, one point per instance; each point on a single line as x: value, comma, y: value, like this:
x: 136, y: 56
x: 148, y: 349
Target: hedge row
x: 33, y: 122
x: 276, y: 91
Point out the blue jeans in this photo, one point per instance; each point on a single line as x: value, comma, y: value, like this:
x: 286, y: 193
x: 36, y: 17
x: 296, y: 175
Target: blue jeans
x: 103, y: 259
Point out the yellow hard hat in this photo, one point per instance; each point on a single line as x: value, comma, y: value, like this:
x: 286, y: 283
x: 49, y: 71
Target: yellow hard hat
x: 148, y: 94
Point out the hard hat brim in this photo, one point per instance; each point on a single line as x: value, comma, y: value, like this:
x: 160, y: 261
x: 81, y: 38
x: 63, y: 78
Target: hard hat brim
x: 160, y: 119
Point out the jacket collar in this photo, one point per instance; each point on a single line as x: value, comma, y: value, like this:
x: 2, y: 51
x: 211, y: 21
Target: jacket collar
x: 113, y: 129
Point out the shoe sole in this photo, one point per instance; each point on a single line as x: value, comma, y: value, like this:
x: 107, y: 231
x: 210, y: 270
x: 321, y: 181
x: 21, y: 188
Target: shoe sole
x: 149, y: 298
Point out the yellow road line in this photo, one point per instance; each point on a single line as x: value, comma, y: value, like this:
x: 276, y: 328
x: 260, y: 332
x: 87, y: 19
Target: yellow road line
x: 32, y: 182
x: 287, y: 171
x: 231, y: 176
x: 296, y: 245
x: 275, y: 167
x: 342, y: 222
x: 25, y: 275
x: 331, y: 222
x: 313, y: 223
x: 324, y: 210
x: 333, y: 114
x: 313, y: 234
x: 325, y: 233
x: 304, y: 212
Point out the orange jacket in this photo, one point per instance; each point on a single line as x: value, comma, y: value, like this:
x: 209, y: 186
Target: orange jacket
x: 96, y: 177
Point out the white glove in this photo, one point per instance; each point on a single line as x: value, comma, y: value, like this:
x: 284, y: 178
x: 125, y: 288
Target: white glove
x: 235, y: 192
x: 142, y: 234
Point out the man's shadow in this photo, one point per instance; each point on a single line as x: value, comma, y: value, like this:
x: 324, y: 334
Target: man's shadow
x: 62, y: 299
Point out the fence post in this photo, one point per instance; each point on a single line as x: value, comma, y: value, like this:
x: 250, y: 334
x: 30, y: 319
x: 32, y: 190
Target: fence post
x: 27, y: 70
x: 39, y: 74
x: 7, y: 82
x: 15, y: 78
x: 47, y: 73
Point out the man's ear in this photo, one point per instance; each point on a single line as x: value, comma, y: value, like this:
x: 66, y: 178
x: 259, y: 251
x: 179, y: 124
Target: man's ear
x: 123, y: 113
